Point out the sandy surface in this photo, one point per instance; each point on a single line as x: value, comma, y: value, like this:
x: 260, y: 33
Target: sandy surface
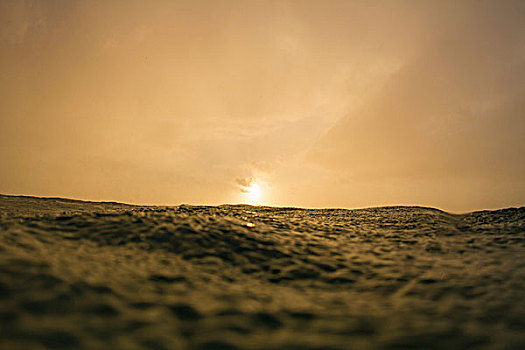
x: 112, y: 276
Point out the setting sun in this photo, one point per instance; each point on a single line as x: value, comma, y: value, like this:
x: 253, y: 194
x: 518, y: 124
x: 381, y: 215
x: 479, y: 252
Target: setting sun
x: 253, y: 191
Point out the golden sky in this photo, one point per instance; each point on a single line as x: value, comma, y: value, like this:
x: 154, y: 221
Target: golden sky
x: 321, y: 103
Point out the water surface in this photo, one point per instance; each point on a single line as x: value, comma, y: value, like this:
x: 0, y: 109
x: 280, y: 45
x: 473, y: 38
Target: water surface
x: 113, y: 276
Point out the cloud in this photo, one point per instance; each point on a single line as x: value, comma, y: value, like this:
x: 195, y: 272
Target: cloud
x: 451, y: 111
x: 325, y: 102
x: 244, y: 183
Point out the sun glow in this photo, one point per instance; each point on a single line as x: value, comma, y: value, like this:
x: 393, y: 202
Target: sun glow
x: 253, y: 191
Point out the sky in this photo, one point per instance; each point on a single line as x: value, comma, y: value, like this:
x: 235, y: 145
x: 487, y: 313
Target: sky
x: 311, y: 103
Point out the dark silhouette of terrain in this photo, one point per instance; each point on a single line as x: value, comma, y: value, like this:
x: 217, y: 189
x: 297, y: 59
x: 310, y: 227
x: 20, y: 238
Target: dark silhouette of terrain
x: 91, y: 275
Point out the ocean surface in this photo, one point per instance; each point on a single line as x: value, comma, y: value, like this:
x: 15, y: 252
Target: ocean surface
x: 86, y: 275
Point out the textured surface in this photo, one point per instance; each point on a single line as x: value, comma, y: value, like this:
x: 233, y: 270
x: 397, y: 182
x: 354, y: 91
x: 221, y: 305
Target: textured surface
x: 107, y: 275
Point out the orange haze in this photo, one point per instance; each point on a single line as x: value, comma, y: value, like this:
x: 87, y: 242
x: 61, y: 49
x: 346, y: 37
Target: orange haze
x: 322, y: 103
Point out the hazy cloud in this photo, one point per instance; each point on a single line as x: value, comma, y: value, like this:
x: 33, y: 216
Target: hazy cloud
x: 345, y: 103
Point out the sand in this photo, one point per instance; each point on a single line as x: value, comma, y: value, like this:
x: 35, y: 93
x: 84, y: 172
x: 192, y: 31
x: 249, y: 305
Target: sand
x: 83, y: 275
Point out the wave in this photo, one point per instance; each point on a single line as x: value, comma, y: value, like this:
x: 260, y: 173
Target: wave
x: 109, y: 275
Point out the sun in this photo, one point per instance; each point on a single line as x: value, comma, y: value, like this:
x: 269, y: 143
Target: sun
x: 253, y: 191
